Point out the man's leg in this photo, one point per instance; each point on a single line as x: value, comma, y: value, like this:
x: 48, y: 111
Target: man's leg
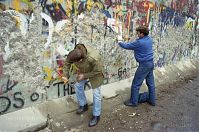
x: 97, y: 101
x: 143, y: 97
x: 151, y: 86
x: 96, y: 107
x: 81, y: 98
x: 138, y: 79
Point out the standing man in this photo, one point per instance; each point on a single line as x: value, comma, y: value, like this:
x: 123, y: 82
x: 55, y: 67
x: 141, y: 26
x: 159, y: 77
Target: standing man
x: 90, y: 67
x: 143, y: 52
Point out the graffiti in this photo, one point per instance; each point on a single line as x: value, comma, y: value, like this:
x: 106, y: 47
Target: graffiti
x: 7, y: 84
x: 56, y: 11
x: 6, y: 102
x: 19, y: 100
x: 106, y: 79
x: 161, y: 60
x: 190, y: 23
x: 22, y: 21
x: 69, y: 20
x: 167, y: 15
x: 24, y: 7
x: 123, y: 11
x: 60, y: 10
x: 50, y: 27
x: 123, y: 73
x: 68, y: 88
x: 1, y: 65
x: 94, y: 4
x: 175, y: 54
x: 34, y: 96
x: 108, y: 3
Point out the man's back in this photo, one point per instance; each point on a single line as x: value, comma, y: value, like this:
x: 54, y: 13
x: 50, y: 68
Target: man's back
x: 144, y: 51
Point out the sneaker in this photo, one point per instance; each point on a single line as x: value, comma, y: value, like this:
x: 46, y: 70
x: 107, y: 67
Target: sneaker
x: 94, y: 121
x: 82, y: 109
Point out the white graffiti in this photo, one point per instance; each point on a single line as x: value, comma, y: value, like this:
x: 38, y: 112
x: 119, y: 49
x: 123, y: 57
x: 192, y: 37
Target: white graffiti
x: 23, y: 22
x: 60, y: 25
x: 8, y: 52
x: 50, y: 27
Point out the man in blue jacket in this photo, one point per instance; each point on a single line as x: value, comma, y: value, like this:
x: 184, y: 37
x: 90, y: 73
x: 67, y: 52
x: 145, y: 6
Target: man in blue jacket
x: 143, y: 52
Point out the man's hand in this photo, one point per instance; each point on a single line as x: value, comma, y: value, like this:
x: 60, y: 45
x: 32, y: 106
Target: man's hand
x: 65, y: 79
x: 80, y: 77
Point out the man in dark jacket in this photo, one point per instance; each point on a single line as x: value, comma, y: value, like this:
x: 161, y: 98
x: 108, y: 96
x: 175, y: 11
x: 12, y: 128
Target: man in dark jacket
x: 143, y: 52
x: 89, y: 66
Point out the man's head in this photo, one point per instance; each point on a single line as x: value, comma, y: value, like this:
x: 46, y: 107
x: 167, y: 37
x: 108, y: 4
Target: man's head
x: 75, y: 55
x: 142, y: 31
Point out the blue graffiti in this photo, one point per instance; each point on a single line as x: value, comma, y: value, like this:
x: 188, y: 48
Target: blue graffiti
x: 161, y: 61
x: 170, y: 16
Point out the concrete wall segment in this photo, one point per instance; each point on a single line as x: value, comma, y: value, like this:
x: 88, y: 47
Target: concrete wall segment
x: 29, y: 69
x: 57, y: 107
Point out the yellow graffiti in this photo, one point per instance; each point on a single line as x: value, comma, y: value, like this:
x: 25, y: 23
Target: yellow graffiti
x: 189, y: 25
x: 46, y: 54
x: 91, y: 4
x: 118, y: 15
x: 149, y: 6
x: 57, y: 1
x: 16, y: 4
x: 48, y: 71
x: 129, y: 14
x: 17, y: 21
x: 68, y: 8
x: 75, y: 7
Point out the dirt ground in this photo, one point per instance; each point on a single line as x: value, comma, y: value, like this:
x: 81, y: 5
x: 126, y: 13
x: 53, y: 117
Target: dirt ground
x: 177, y: 110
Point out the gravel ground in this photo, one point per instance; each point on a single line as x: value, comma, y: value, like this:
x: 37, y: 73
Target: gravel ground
x: 177, y: 110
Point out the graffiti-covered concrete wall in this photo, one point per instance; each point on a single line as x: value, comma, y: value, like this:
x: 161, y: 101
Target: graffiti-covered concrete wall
x: 36, y: 37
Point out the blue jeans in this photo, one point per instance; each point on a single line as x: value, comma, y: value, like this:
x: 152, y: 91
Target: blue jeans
x: 144, y: 71
x: 79, y: 89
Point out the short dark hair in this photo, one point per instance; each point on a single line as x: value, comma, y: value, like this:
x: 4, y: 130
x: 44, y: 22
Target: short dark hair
x: 143, y: 29
x: 75, y: 55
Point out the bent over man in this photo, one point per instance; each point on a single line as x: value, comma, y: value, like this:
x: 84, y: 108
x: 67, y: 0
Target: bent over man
x: 90, y: 67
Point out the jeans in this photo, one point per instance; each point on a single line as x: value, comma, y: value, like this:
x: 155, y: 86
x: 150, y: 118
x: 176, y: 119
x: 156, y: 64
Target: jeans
x: 144, y: 71
x: 79, y: 89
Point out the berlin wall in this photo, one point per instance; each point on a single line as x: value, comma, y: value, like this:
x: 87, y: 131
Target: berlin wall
x: 36, y: 36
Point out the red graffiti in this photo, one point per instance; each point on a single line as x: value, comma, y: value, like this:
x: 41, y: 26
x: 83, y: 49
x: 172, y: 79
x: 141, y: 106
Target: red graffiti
x: 1, y: 91
x: 1, y: 65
